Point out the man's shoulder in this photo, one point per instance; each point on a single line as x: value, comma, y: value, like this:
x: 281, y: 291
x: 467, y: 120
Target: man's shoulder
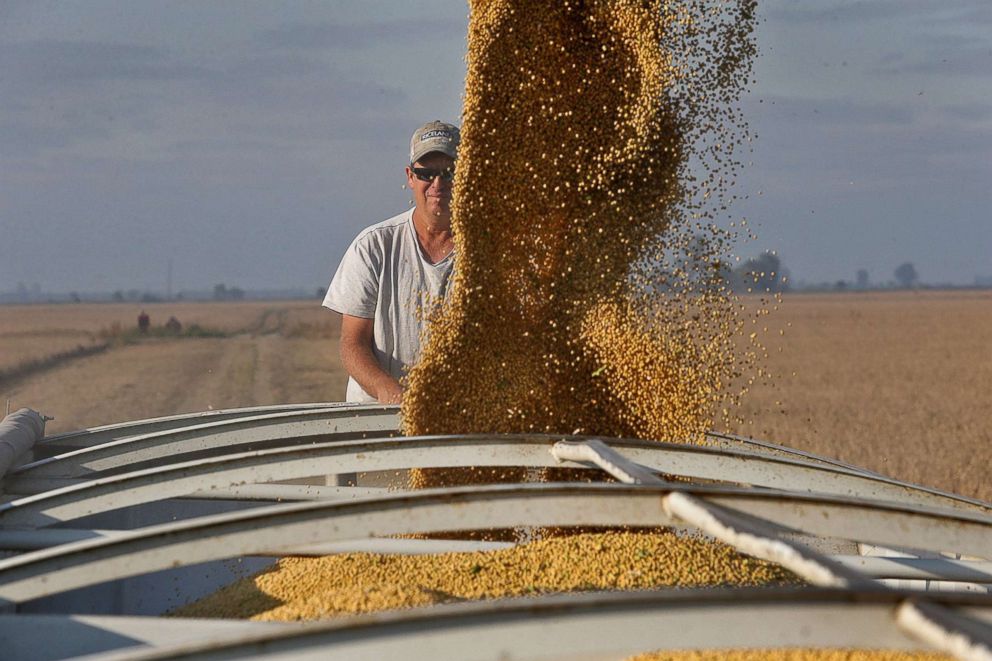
x: 384, y: 231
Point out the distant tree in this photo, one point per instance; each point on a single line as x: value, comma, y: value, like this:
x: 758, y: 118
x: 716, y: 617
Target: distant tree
x: 906, y: 275
x: 320, y: 292
x: 74, y: 297
x: 760, y: 274
x: 224, y: 293
x: 118, y: 296
x: 840, y: 285
x: 862, y: 279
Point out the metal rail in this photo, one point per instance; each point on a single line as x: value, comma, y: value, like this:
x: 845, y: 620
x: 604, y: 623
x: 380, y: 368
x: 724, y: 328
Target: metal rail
x: 748, y: 536
x: 204, y: 421
x: 51, y: 637
x: 945, y: 569
x: 214, y: 438
x: 245, y: 533
x: 103, y: 433
x: 715, y: 440
x: 636, y: 621
x: 733, y: 440
x: 56, y: 500
x: 946, y: 629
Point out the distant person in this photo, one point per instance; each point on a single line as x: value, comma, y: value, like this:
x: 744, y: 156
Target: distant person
x: 394, y: 268
x: 143, y: 322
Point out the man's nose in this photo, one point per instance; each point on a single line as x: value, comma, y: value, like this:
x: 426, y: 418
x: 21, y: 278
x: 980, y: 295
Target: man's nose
x: 438, y: 183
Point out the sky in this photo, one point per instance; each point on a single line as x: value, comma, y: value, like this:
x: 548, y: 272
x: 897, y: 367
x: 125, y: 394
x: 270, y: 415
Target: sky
x: 249, y: 142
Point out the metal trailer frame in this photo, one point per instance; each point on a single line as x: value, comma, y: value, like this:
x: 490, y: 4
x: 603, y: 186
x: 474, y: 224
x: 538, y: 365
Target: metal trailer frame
x: 597, y: 625
x: 810, y: 514
x: 41, y: 501
x: 606, y: 626
x: 111, y: 432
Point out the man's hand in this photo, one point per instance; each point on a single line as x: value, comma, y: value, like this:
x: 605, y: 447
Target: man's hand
x: 390, y: 393
x: 358, y: 359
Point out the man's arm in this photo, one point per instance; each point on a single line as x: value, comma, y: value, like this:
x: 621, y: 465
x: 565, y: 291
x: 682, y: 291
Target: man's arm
x: 358, y: 359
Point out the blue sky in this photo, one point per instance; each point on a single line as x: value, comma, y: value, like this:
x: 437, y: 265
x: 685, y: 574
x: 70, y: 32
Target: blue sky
x: 249, y: 141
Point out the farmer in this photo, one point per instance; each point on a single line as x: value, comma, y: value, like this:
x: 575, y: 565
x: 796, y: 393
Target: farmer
x: 393, y: 270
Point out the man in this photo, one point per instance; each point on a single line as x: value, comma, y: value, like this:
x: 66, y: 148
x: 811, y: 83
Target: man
x: 394, y: 270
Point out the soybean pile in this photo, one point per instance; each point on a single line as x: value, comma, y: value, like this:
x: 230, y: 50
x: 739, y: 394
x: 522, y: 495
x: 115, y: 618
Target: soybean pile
x: 600, y: 141
x: 312, y: 588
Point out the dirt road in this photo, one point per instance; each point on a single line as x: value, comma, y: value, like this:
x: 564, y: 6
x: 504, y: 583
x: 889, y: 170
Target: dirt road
x: 165, y: 377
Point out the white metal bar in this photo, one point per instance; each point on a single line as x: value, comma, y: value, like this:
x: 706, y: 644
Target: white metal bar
x: 103, y: 433
x: 214, y: 436
x: 220, y: 473
x: 945, y: 569
x: 747, y: 536
x: 400, y: 546
x: 752, y: 538
x: 50, y: 637
x: 522, y: 628
x: 689, y: 461
x: 599, y: 454
x: 498, y: 506
x: 946, y: 630
x: 289, y: 492
x: 33, y: 540
x: 888, y: 524
x: 735, y: 441
x: 718, y: 440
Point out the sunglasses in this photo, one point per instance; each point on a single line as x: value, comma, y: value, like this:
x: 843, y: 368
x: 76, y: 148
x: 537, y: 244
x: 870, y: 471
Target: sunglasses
x: 429, y: 174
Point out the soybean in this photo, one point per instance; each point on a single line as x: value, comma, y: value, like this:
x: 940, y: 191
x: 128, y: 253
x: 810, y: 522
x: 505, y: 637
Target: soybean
x: 599, y: 143
x: 312, y: 588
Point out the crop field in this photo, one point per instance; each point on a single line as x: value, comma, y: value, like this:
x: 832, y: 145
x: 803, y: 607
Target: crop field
x: 227, y: 355
x: 900, y: 383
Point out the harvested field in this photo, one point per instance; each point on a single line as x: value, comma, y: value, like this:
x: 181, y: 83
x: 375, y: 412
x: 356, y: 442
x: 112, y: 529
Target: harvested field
x: 900, y: 383
x: 95, y: 317
x: 24, y: 350
x: 36, y: 334
x: 263, y: 353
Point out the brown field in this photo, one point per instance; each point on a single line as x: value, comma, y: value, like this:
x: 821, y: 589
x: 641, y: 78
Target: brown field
x: 269, y: 352
x: 900, y: 383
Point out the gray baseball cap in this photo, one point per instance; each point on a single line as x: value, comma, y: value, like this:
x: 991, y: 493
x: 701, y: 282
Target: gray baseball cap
x: 434, y: 136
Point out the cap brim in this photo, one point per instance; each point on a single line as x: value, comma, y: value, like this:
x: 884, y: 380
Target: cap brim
x: 426, y: 148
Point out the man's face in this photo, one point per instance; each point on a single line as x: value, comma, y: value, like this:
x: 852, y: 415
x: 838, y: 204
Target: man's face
x: 432, y: 196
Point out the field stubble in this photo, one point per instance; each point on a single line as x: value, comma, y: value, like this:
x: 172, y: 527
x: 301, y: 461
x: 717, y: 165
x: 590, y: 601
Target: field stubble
x: 252, y: 353
x: 900, y: 383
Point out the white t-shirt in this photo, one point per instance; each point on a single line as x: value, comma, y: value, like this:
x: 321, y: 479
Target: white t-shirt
x: 384, y: 276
